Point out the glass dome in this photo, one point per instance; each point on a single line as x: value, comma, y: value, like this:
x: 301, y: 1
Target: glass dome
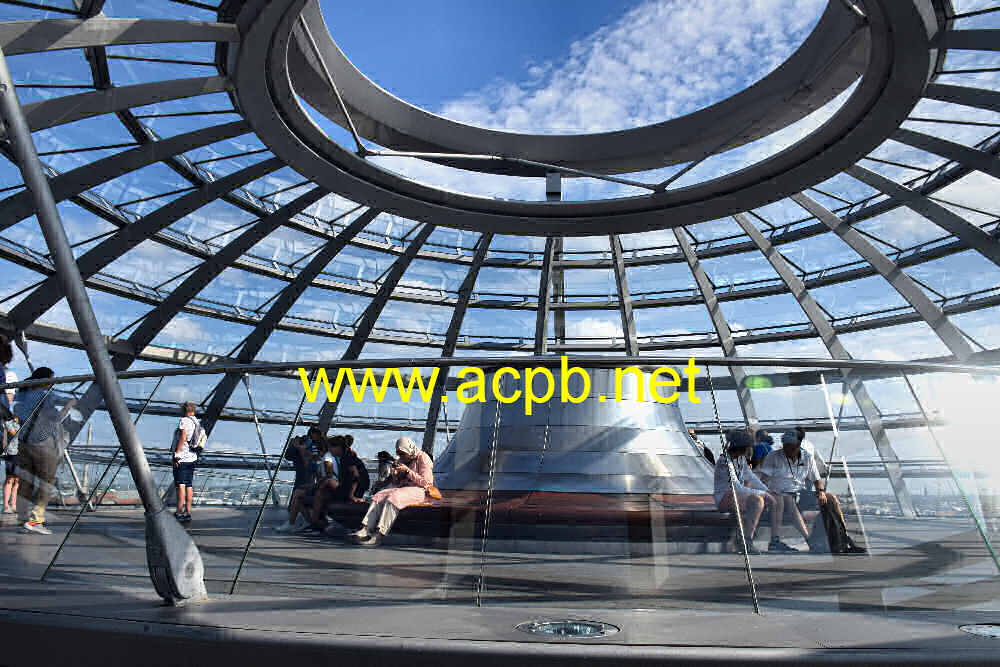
x: 237, y: 193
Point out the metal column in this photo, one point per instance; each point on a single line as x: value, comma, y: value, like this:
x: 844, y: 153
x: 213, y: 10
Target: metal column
x: 829, y: 337
x: 367, y: 320
x: 175, y: 565
x: 902, y: 283
x: 968, y: 233
x: 279, y: 308
x: 624, y: 297
x: 725, y: 334
x: 451, y: 338
x: 542, y: 311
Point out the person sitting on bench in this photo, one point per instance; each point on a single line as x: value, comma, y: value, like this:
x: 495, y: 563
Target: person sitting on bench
x: 751, y: 493
x: 357, y: 473
x: 412, y: 474
x: 788, y: 472
x: 303, y: 451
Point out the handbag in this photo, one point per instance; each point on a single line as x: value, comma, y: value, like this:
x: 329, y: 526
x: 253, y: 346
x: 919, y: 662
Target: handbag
x: 434, y: 492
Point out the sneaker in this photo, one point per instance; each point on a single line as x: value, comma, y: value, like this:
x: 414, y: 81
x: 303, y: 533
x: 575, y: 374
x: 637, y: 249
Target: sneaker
x: 748, y: 548
x: 370, y: 541
x: 185, y: 518
x: 35, y: 527
x: 300, y: 522
x: 777, y: 546
x: 286, y: 527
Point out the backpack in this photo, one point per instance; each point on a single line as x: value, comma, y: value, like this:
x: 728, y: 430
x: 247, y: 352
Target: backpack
x: 196, y: 443
x: 829, y: 534
x: 199, y: 438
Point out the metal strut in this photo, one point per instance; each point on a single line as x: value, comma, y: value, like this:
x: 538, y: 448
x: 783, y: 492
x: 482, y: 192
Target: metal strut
x: 175, y: 565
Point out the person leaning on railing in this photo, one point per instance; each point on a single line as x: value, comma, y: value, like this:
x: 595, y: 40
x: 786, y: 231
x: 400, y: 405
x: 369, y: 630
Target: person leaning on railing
x: 412, y: 475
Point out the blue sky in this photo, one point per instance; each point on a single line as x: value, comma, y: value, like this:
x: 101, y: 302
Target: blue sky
x: 433, y: 51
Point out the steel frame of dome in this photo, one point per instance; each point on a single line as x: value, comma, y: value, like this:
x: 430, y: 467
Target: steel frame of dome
x: 903, y: 44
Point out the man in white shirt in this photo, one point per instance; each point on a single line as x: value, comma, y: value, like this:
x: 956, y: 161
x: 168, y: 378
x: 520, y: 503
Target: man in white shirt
x: 751, y: 493
x: 184, y: 460
x: 789, y: 472
x: 807, y: 446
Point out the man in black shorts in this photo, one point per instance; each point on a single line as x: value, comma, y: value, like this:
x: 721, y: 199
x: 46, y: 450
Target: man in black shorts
x: 788, y: 473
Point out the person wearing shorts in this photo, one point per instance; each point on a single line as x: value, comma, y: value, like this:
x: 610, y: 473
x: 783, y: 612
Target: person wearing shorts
x: 184, y: 460
x: 789, y: 472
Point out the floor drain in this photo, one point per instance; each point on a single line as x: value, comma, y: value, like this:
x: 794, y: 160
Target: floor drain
x: 576, y: 629
x: 991, y: 630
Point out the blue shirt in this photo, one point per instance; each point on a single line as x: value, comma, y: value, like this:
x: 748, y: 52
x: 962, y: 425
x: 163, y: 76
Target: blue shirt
x: 46, y: 423
x: 761, y: 450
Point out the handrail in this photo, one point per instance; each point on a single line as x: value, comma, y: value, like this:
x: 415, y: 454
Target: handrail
x: 532, y: 361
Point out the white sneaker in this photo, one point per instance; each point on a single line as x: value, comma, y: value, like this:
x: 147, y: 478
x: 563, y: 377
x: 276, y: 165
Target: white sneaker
x: 285, y: 528
x: 300, y: 522
x: 37, y: 528
x: 362, y: 532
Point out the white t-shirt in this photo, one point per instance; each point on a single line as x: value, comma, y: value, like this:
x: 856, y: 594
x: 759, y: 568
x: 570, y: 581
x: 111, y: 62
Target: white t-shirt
x: 746, y: 482
x: 329, y: 467
x: 188, y: 425
x: 10, y: 376
x: 811, y: 448
x: 785, y: 476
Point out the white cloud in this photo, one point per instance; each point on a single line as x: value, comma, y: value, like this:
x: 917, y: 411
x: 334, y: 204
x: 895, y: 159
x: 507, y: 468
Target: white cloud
x: 661, y: 60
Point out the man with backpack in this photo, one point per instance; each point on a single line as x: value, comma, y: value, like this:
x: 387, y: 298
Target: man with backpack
x: 188, y: 440
x: 788, y: 473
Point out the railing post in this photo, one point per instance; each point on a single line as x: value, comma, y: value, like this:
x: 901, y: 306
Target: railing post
x: 175, y: 565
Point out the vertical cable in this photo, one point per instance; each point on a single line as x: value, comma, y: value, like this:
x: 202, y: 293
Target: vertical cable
x: 732, y: 488
x: 494, y: 445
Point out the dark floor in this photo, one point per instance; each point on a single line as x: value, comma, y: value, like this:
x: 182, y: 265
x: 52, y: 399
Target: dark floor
x: 319, y: 599
x: 923, y: 564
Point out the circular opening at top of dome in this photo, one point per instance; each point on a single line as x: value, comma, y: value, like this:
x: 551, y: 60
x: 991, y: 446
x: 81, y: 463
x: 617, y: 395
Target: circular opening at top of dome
x: 568, y: 68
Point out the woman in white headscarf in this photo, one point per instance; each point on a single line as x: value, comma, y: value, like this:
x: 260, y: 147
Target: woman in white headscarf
x: 412, y: 474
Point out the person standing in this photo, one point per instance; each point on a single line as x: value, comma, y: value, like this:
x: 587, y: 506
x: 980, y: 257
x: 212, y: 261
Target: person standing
x: 184, y: 460
x: 8, y: 428
x: 42, y: 441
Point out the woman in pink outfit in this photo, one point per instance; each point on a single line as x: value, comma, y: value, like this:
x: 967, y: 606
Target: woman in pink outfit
x: 411, y: 475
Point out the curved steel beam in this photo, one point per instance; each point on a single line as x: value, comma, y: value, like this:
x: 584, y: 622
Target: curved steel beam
x: 544, y: 301
x: 282, y: 304
x: 902, y: 283
x: 71, y: 108
x: 624, y: 297
x: 454, y: 328
x: 894, y: 81
x: 156, y: 319
x: 955, y: 152
x: 363, y: 330
x: 48, y: 293
x: 18, y: 37
x: 18, y: 207
x: 830, y: 59
x: 829, y: 337
x: 968, y: 233
x: 980, y: 98
x: 722, y: 329
x: 974, y: 40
